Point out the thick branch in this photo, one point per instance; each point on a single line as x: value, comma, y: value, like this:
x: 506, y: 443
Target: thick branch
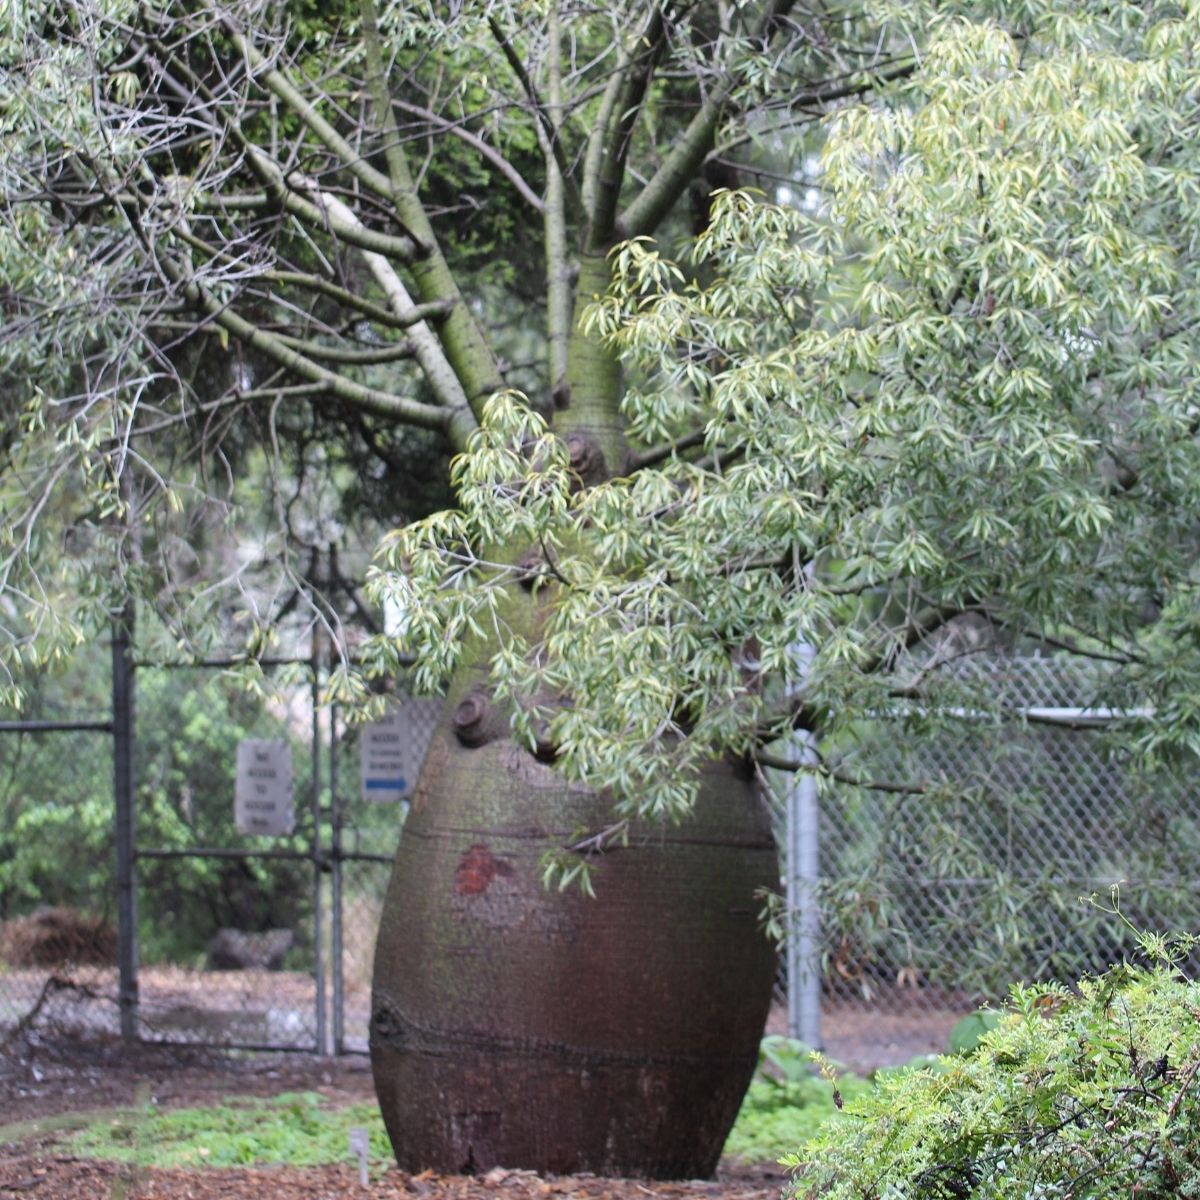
x: 281, y: 86
x: 426, y: 348
x: 558, y: 277
x: 397, y: 408
x: 614, y: 145
x: 394, y: 352
x: 683, y: 161
x: 374, y: 312
x: 466, y: 349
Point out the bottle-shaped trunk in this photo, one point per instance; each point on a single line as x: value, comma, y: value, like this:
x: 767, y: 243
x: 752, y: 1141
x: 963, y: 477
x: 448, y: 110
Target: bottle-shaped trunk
x: 517, y: 1026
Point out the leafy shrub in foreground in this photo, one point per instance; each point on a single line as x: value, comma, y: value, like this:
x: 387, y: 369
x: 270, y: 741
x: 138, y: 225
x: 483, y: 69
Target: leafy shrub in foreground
x: 1090, y: 1094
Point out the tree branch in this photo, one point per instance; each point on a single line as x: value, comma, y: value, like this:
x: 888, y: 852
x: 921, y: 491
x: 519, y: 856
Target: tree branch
x: 281, y: 86
x: 456, y: 423
x: 656, y: 454
x: 613, y: 148
x: 679, y: 167
x: 393, y: 352
x: 545, y: 124
x: 554, y: 222
x: 460, y: 131
x: 466, y: 349
x: 376, y: 313
x: 796, y: 765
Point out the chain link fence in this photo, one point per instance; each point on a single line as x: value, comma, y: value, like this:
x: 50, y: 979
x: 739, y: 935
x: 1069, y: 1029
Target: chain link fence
x: 971, y: 859
x: 962, y: 868
x: 244, y: 940
x: 58, y: 932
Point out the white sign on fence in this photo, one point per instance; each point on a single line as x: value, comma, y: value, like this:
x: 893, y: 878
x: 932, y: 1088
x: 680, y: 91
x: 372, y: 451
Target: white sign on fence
x: 393, y: 748
x: 262, y: 797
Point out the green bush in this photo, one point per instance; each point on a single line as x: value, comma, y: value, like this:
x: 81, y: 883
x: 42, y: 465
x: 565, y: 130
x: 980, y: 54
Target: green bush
x: 1088, y: 1093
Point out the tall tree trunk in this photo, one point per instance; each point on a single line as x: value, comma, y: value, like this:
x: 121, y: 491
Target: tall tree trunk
x: 540, y: 1029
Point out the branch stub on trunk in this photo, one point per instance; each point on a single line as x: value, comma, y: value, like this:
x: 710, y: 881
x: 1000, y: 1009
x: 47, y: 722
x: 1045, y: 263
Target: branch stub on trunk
x: 586, y: 458
x: 470, y: 719
x: 531, y: 569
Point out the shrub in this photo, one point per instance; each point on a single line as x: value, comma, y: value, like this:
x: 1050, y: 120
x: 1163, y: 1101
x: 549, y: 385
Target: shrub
x: 1087, y: 1093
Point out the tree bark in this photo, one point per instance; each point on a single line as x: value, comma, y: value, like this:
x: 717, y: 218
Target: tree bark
x: 517, y: 1026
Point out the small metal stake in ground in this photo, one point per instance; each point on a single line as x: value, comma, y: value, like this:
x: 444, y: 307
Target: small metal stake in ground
x: 359, y: 1146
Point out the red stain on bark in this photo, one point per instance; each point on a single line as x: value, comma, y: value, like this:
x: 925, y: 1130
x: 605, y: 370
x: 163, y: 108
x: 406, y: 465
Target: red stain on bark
x: 476, y: 870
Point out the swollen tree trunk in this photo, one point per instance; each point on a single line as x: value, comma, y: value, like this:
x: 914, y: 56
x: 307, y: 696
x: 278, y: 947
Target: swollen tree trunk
x: 517, y: 1026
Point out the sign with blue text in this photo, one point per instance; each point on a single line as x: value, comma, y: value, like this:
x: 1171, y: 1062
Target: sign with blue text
x: 393, y: 748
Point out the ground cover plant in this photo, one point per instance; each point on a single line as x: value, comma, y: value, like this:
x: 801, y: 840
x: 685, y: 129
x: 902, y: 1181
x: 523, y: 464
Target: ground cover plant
x: 1073, y: 1093
x: 296, y: 1129
x: 787, y: 1102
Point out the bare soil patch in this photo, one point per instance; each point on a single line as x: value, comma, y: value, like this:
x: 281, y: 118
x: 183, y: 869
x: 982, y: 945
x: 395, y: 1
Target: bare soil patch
x: 50, y: 1177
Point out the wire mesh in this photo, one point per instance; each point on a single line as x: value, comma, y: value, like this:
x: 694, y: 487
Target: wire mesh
x: 1002, y: 868
x: 964, y: 867
x: 58, y: 940
x: 227, y: 920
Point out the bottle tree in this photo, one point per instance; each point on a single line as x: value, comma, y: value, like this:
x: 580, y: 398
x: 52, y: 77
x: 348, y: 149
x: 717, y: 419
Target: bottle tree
x: 700, y: 501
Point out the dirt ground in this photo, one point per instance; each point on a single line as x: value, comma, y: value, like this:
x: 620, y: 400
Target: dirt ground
x: 40, y: 1082
x: 44, y: 1076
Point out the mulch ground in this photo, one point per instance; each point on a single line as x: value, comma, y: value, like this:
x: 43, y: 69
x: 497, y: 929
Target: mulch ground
x: 46, y: 1080
x: 42, y: 1175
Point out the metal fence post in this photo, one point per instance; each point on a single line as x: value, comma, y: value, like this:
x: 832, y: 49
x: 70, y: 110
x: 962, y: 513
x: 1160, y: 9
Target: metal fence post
x: 318, y: 915
x: 335, y: 902
x: 126, y: 823
x: 803, y: 876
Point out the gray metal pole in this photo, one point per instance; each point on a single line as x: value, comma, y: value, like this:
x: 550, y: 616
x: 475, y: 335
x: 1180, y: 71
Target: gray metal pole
x: 322, y: 1035
x: 126, y: 824
x: 804, y: 929
x: 335, y: 904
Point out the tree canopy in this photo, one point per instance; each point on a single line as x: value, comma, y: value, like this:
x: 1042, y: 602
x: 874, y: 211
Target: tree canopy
x: 943, y: 401
x: 935, y: 390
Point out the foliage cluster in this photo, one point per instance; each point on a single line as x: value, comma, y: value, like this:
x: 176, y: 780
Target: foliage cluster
x: 1092, y: 1092
x: 956, y: 386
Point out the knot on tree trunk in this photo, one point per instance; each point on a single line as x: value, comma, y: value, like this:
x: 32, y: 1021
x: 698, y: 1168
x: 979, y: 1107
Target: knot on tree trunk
x: 586, y: 459
x: 471, y: 724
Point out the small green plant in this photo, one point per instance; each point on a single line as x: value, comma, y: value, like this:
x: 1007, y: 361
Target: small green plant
x: 787, y: 1101
x: 296, y: 1129
x: 1086, y: 1093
